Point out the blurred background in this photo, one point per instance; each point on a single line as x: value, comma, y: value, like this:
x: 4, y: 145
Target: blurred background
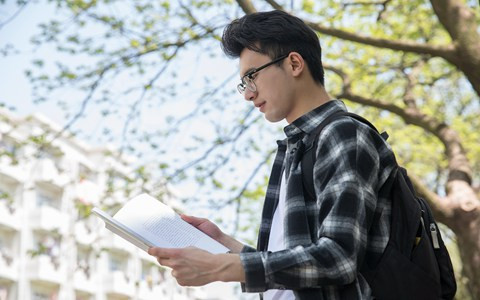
x: 103, y: 100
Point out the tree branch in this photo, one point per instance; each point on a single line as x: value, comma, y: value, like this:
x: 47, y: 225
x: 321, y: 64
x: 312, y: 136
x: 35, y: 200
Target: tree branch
x: 275, y: 5
x: 457, y: 18
x: 460, y: 195
x: 238, y: 197
x: 459, y: 166
x: 446, y: 52
x: 412, y: 81
x: 460, y: 22
x: 12, y: 17
x: 246, y: 6
x: 441, y: 207
x: 131, y: 115
x: 241, y: 130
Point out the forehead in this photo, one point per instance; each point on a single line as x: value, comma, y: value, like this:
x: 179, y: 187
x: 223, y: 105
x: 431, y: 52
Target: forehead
x: 250, y: 60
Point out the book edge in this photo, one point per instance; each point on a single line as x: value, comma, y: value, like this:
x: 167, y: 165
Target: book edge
x: 123, y: 231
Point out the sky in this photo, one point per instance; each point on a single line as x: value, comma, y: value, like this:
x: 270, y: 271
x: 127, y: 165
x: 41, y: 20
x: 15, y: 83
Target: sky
x: 15, y: 89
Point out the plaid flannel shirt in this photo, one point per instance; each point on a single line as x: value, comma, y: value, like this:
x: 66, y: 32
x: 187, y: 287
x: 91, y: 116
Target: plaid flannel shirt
x: 348, y: 225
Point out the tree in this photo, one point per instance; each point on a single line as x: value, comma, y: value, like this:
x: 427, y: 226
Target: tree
x: 412, y: 67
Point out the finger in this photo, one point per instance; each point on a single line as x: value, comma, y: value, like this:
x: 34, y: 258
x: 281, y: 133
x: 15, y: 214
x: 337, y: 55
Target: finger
x: 174, y: 273
x: 164, y: 253
x: 165, y: 262
x: 192, y: 220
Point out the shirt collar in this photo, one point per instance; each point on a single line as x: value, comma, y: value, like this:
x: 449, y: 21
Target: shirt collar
x: 309, y: 121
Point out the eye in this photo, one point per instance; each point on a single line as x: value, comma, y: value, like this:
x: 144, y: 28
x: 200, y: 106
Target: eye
x: 251, y: 77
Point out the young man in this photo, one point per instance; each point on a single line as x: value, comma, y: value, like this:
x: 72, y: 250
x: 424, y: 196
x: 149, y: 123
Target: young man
x: 306, y: 249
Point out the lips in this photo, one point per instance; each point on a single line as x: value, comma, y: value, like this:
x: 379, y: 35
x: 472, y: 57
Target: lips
x: 260, y: 105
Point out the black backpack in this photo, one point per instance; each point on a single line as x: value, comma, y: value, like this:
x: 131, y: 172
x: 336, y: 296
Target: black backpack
x: 415, y: 263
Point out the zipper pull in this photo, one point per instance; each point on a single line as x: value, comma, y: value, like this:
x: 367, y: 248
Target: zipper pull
x: 434, y: 232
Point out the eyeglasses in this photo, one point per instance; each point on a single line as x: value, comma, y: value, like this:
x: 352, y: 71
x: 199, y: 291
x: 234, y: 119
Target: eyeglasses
x: 248, y: 79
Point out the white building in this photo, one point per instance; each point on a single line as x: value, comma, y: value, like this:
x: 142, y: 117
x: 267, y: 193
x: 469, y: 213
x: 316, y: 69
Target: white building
x: 49, y: 247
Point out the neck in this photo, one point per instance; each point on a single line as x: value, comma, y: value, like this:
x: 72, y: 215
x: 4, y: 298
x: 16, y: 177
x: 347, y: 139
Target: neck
x: 308, y: 97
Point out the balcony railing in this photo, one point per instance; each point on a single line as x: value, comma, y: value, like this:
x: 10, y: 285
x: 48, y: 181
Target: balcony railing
x: 47, y: 268
x: 13, y: 169
x: 85, y: 231
x: 8, y: 266
x: 48, y: 219
x: 45, y: 170
x: 83, y: 280
x: 9, y: 215
x: 118, y: 282
x: 113, y: 241
x: 145, y: 289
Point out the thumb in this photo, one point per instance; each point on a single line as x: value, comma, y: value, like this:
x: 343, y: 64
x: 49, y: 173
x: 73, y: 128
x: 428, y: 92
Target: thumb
x: 192, y: 220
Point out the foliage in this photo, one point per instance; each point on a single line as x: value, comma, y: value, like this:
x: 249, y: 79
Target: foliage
x: 153, y: 73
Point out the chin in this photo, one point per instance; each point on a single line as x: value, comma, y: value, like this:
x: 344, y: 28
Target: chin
x: 273, y: 119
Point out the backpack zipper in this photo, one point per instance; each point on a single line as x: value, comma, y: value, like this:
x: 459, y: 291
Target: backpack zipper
x: 434, y: 232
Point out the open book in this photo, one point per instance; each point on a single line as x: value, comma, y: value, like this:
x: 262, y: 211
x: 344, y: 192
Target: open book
x: 146, y: 222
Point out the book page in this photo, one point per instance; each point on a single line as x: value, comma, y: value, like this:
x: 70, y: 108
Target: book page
x: 158, y: 223
x: 123, y: 231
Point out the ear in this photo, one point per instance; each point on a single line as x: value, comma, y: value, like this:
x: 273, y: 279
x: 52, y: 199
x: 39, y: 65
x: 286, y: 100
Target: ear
x: 296, y: 63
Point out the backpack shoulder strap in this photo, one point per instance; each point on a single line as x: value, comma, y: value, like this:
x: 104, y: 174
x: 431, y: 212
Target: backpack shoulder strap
x: 309, y: 156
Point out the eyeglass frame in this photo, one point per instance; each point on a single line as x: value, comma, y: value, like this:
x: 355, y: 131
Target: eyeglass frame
x: 242, y: 86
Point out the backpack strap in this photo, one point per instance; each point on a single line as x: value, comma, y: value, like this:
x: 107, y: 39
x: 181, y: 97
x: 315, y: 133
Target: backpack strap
x: 308, y: 159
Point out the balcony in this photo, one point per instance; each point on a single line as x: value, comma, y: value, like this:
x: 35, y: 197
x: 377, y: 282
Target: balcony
x: 46, y: 269
x: 87, y: 190
x: 83, y: 281
x: 9, y: 215
x: 46, y: 171
x: 13, y: 169
x: 8, y: 266
x: 118, y: 283
x: 113, y: 241
x: 47, y: 218
x: 145, y: 290
x: 85, y: 231
x: 81, y: 295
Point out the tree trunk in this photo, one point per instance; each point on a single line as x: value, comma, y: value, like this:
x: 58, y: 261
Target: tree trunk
x: 467, y: 230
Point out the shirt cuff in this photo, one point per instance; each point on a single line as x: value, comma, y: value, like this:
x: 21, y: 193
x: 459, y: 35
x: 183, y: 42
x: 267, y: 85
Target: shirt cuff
x: 254, y: 272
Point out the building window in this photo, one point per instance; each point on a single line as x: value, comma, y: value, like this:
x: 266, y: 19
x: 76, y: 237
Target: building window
x: 82, y: 297
x: 85, y: 173
x: 6, y: 248
x: 147, y: 273
x: 7, y: 193
x: 116, y: 263
x: 40, y: 296
x: 4, y: 291
x: 43, y: 293
x: 48, y: 245
x: 10, y: 149
x: 46, y: 198
x: 84, y: 262
x: 119, y: 263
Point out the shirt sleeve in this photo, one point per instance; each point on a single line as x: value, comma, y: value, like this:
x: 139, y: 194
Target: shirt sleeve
x: 345, y: 179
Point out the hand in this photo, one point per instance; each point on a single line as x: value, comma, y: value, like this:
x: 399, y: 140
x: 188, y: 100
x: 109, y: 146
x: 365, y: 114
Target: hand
x: 204, y: 225
x: 195, y: 267
x: 212, y: 230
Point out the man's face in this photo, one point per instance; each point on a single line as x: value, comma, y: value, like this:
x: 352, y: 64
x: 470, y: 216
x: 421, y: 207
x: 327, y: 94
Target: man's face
x: 274, y: 92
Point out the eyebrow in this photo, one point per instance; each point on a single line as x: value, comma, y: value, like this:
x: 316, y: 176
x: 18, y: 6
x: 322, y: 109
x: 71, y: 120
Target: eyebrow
x: 250, y: 70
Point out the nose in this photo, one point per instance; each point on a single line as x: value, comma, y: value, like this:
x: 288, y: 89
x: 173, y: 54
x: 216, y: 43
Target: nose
x: 249, y: 95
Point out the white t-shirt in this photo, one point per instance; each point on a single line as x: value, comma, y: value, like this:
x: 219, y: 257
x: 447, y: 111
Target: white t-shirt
x: 276, y: 242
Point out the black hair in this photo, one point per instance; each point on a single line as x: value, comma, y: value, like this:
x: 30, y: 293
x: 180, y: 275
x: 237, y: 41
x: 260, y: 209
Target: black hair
x: 274, y: 33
